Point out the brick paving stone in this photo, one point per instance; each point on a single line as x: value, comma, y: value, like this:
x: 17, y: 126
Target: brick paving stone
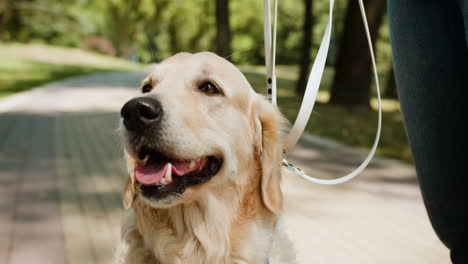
x: 78, y: 248
x: 37, y: 228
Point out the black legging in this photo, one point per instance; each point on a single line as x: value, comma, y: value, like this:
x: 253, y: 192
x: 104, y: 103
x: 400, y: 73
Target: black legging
x: 430, y: 54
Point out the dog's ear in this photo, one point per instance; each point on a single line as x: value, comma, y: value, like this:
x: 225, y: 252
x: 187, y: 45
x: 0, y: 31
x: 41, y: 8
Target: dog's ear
x: 269, y: 123
x: 129, y: 192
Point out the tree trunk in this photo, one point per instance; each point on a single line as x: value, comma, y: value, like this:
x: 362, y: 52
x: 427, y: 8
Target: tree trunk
x: 304, y: 60
x: 351, y: 84
x: 5, y: 14
x: 390, y: 87
x: 223, y: 30
x: 10, y: 20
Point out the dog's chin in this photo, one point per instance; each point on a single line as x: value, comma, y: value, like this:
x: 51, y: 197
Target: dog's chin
x: 164, y: 181
x: 166, y: 202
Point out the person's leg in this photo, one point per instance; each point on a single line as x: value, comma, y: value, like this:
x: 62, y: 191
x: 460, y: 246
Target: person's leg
x: 464, y: 9
x: 430, y: 58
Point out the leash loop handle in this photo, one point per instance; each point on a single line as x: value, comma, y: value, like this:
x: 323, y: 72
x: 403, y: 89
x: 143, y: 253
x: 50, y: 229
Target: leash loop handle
x: 313, y: 85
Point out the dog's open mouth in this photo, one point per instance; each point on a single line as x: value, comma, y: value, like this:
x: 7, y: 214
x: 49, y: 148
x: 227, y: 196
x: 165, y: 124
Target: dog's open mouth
x: 160, y: 175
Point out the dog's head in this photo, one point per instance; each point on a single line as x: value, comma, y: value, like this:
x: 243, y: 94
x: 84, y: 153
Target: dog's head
x: 198, y: 127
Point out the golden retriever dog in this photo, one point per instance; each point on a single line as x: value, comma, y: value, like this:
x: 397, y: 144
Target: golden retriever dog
x: 204, y: 156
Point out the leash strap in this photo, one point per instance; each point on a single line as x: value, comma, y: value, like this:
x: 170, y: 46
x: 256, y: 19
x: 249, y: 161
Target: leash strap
x: 312, y: 87
x: 270, y: 48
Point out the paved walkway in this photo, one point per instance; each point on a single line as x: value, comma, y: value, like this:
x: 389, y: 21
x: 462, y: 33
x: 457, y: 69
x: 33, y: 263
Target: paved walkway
x: 61, y: 177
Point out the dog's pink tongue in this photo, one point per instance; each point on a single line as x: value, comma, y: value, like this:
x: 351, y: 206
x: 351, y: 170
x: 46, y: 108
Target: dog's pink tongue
x: 150, y: 174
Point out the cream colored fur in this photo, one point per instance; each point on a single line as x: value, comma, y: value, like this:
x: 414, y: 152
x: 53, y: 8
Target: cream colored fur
x: 234, y: 217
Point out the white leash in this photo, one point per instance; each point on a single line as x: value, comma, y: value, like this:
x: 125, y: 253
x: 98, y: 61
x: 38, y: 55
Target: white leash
x: 270, y: 48
x: 313, y: 85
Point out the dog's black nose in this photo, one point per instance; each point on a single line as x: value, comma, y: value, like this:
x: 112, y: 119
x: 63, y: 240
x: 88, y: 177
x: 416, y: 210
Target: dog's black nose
x: 141, y: 113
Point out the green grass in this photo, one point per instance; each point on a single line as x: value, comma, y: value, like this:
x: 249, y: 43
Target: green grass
x: 352, y: 127
x: 23, y: 67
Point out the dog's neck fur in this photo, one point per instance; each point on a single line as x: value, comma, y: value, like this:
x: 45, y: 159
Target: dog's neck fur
x: 208, y: 231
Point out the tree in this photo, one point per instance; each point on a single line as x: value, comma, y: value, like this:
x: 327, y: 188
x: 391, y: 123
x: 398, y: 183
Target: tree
x: 351, y: 84
x: 304, y: 58
x: 5, y: 16
x: 223, y: 30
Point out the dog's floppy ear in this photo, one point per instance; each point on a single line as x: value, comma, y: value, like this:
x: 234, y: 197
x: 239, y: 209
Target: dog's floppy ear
x: 129, y: 192
x: 269, y: 121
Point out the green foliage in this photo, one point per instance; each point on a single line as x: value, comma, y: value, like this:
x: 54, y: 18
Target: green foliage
x: 151, y: 30
x: 42, y: 20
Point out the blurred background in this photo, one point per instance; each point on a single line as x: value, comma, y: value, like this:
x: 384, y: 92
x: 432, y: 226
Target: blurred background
x: 68, y: 66
x: 46, y: 40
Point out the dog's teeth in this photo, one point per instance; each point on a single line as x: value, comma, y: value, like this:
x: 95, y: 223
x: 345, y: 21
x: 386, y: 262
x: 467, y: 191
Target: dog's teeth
x: 143, y: 161
x: 162, y: 181
x: 192, y: 164
x: 168, y: 176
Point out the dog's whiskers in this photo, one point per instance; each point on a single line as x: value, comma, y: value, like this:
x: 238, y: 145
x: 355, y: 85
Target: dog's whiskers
x: 237, y: 52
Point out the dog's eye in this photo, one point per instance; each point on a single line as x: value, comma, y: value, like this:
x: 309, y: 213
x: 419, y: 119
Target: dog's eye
x: 147, y: 88
x: 209, y: 88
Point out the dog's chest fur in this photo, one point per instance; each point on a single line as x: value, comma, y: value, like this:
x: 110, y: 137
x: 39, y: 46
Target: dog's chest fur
x: 206, y: 232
